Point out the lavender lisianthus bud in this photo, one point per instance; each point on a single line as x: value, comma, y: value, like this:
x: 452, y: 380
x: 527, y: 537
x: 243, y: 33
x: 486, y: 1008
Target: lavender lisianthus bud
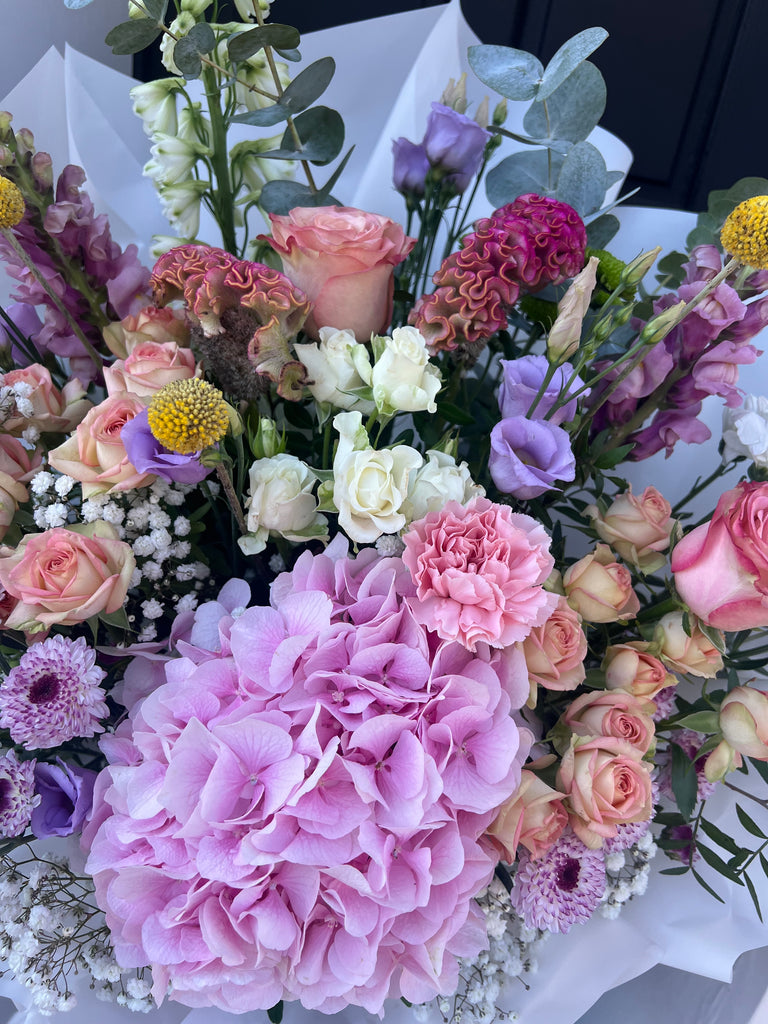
x: 411, y: 167
x: 454, y: 145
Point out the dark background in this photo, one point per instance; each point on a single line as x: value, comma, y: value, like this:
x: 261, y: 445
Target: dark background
x: 685, y: 77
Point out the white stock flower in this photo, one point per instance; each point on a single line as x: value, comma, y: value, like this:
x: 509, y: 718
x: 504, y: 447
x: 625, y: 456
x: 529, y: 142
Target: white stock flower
x: 369, y: 486
x: 195, y: 7
x: 334, y: 368
x: 155, y: 104
x: 439, y: 480
x: 246, y: 8
x: 181, y: 205
x: 173, y: 159
x: 281, y: 501
x: 403, y: 379
x: 745, y: 431
x: 565, y: 333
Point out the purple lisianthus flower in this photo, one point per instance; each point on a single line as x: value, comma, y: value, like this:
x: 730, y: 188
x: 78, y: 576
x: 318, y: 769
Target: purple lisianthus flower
x: 66, y: 796
x: 528, y: 456
x: 149, y: 456
x: 411, y: 167
x: 454, y: 145
x: 521, y: 383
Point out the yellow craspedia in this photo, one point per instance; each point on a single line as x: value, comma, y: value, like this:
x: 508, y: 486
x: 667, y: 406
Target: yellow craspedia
x: 11, y: 204
x: 188, y: 415
x: 745, y: 232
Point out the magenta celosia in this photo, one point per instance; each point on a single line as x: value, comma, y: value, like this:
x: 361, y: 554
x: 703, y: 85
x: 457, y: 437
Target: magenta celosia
x: 523, y: 246
x: 297, y: 812
x: 247, y: 315
x: 53, y: 694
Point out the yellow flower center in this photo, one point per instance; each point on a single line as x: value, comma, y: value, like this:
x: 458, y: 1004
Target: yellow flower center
x: 11, y: 204
x: 188, y: 415
x: 745, y: 232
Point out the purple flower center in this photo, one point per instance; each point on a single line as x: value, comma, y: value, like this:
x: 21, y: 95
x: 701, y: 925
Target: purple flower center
x: 44, y: 688
x: 568, y: 874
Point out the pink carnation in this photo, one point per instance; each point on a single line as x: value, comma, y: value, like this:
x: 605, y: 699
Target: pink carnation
x: 478, y: 571
x: 298, y: 810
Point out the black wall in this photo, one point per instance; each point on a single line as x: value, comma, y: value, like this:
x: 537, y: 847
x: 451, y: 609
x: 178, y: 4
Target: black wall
x: 685, y: 77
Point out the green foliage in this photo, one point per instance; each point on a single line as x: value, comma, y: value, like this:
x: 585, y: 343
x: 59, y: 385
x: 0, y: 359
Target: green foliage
x: 719, y: 204
x: 300, y: 94
x: 188, y: 50
x: 245, y: 44
x: 321, y: 134
x: 133, y: 36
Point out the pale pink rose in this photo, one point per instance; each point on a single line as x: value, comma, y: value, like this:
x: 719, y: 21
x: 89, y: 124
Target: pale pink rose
x: 607, y: 784
x: 344, y: 260
x: 151, y: 324
x: 52, y: 411
x: 17, y: 461
x: 66, y: 575
x: 555, y: 651
x: 534, y: 818
x: 633, y: 668
x: 637, y: 527
x: 12, y: 494
x: 478, y: 570
x: 600, y: 589
x: 150, y: 366
x: 721, y: 567
x: 744, y: 721
x: 694, y: 654
x: 95, y: 454
x: 613, y: 713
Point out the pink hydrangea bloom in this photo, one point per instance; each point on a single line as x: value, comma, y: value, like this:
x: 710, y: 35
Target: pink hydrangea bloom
x: 298, y: 811
x: 479, y: 571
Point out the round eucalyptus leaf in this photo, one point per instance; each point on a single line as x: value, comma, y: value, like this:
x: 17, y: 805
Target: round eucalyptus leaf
x: 582, y: 179
x: 521, y: 173
x: 601, y: 231
x: 282, y: 196
x: 132, y: 36
x: 265, y: 117
x: 321, y: 132
x: 573, y: 110
x: 512, y: 73
x: 245, y: 44
x: 568, y: 58
x: 309, y: 85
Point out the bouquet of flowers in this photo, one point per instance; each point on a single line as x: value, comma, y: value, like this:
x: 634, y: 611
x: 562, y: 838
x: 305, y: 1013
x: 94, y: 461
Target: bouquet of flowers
x: 340, y: 662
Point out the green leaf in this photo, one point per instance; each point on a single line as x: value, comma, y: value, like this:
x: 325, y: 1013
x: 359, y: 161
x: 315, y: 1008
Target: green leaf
x: 761, y: 767
x: 572, y: 111
x: 751, y: 889
x: 75, y: 5
x: 718, y: 864
x: 275, y: 1013
x: 245, y: 44
x: 675, y: 871
x: 602, y: 230
x: 156, y: 8
x: 715, y: 636
x: 610, y: 459
x: 453, y: 414
x: 520, y: 173
x: 331, y: 183
x: 132, y: 36
x: 701, y: 721
x: 264, y: 117
x: 309, y: 85
x: 582, y: 179
x: 763, y: 863
x: 568, y: 58
x: 187, y: 51
x: 321, y: 131
x: 282, y: 196
x: 670, y: 268
x: 748, y: 824
x: 704, y: 885
x: 719, y: 837
x: 512, y: 73
x: 684, y: 781
x: 292, y: 55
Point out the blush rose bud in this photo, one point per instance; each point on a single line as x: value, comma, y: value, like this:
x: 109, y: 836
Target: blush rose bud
x: 744, y: 727
x: 637, y: 527
x: 534, y: 818
x: 600, y: 589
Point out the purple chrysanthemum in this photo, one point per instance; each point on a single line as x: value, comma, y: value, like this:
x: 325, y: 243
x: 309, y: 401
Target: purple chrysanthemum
x: 53, y: 694
x: 17, y: 794
x: 561, y: 887
x: 627, y: 834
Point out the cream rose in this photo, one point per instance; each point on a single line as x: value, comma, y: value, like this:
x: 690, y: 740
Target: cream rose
x: 403, y: 379
x: 438, y: 481
x: 281, y: 501
x: 555, y: 652
x: 44, y: 406
x: 633, y: 668
x: 337, y: 366
x: 613, y: 713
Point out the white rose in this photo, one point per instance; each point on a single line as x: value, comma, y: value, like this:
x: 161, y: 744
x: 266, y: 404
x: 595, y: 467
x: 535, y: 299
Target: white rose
x: 439, y: 480
x: 334, y: 367
x: 281, y: 501
x: 403, y: 379
x: 369, y: 486
x: 745, y: 431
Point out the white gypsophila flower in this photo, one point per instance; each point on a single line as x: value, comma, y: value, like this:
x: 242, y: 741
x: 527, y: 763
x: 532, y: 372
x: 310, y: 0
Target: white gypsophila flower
x: 63, y: 485
x: 180, y: 549
x: 181, y: 526
x: 136, y: 577
x: 403, y: 379
x: 152, y: 571
x: 175, y: 498
x: 184, y: 573
x: 745, y: 431
x: 162, y: 554
x: 159, y: 519
x: 148, y: 633
x: 277, y: 563
x: 614, y: 862
x: 161, y: 538
x: 337, y: 366
x: 389, y: 545
x: 56, y: 514
x: 186, y: 603
x: 41, y: 482
x: 30, y: 436
x: 40, y: 515
x: 138, y: 517
x: 143, y: 546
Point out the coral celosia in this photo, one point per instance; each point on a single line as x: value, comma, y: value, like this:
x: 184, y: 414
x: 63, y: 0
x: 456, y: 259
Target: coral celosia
x: 299, y: 814
x: 245, y: 315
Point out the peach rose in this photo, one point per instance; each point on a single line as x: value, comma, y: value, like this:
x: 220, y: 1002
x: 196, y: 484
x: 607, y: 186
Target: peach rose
x: 613, y: 713
x: 66, y: 575
x: 533, y: 817
x: 95, y: 455
x: 636, y: 527
x: 156, y: 324
x: 694, y: 654
x: 600, y: 589
x: 344, y: 260
x: 17, y: 461
x: 50, y: 410
x: 607, y: 784
x: 150, y: 366
x: 555, y: 651
x: 632, y: 668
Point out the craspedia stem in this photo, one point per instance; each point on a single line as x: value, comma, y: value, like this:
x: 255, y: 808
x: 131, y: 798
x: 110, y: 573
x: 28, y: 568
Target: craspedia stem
x: 226, y: 482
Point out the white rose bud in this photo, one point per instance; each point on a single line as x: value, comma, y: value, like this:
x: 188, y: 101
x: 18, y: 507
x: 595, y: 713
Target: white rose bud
x: 369, y: 486
x: 403, y: 379
x: 281, y: 501
x: 334, y: 368
x: 745, y: 431
x: 439, y: 480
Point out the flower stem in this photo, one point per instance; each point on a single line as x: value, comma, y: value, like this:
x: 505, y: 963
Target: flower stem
x: 234, y: 502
